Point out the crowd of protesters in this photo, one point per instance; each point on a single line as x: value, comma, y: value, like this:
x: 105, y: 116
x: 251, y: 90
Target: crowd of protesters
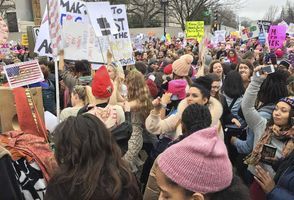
x: 188, y: 120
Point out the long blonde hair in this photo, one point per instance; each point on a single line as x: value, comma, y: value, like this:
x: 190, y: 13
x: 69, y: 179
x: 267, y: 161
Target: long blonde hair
x: 138, y: 91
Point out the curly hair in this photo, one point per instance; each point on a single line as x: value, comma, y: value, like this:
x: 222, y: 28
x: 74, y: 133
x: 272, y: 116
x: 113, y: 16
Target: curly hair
x: 90, y: 163
x: 138, y: 91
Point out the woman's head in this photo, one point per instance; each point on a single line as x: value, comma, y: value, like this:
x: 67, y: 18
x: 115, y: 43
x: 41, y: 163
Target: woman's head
x: 195, y: 169
x: 199, y: 92
x: 194, y: 118
x: 83, y: 143
x: 78, y: 95
x: 245, y: 68
x: 138, y: 90
x: 283, y: 112
x: 273, y: 88
x: 215, y: 86
x: 233, y: 85
x: 217, y: 68
x: 232, y: 53
x: 115, y: 70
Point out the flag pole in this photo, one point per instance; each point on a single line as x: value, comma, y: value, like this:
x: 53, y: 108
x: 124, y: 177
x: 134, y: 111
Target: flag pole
x: 57, y: 90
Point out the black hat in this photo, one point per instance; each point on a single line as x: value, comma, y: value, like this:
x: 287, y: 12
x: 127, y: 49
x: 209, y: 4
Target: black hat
x: 203, y: 83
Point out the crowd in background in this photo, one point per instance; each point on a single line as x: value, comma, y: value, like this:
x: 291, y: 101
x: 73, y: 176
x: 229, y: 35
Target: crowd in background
x: 188, y: 120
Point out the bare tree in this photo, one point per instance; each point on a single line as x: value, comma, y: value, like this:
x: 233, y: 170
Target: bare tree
x: 272, y: 13
x: 6, y: 5
x: 144, y: 10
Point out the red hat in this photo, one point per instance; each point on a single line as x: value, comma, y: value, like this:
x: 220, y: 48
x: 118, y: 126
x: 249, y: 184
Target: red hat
x: 168, y: 69
x: 279, y: 53
x: 101, y: 84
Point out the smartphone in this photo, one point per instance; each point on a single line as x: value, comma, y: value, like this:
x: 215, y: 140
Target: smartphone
x: 268, y: 69
x: 268, y: 151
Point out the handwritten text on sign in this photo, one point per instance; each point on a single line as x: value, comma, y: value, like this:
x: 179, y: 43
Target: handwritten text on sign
x: 277, y: 35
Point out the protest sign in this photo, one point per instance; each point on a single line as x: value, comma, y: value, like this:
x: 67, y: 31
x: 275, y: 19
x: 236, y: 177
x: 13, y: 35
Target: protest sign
x: 121, y: 45
x: 195, y: 29
x: 4, y: 49
x: 70, y: 11
x: 264, y: 25
x: 25, y: 73
x: 276, y: 36
x: 43, y: 42
x: 291, y: 28
x: 250, y: 32
x: 219, y: 36
x: 3, y: 31
x: 101, y: 18
x: 24, y: 39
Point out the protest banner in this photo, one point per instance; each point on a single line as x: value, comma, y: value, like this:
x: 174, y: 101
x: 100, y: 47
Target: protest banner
x: 101, y: 18
x: 276, y: 36
x: 219, y: 36
x: 264, y: 25
x: 195, y: 29
x: 3, y: 31
x: 25, y: 73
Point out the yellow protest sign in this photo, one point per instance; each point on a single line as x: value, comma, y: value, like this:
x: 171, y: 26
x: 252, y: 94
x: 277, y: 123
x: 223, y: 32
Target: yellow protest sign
x: 195, y: 29
x: 24, y: 39
x: 168, y: 37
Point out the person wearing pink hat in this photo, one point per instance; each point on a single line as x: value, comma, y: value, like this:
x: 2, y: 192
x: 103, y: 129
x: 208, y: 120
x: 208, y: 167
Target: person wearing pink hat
x: 201, y: 171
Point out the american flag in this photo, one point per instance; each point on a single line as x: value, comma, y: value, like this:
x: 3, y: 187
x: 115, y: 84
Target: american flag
x: 54, y: 25
x: 25, y: 73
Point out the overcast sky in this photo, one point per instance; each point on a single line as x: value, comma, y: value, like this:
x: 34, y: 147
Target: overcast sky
x: 256, y: 9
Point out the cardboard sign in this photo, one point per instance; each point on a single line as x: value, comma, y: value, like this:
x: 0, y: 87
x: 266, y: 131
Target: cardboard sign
x: 195, y: 29
x: 276, y: 36
x: 101, y: 18
x: 25, y: 73
x: 291, y: 28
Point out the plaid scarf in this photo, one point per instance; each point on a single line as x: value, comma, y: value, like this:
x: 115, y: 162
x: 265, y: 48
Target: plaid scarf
x: 255, y: 156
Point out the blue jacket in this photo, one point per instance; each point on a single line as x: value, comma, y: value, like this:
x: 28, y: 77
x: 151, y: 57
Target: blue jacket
x: 284, y: 190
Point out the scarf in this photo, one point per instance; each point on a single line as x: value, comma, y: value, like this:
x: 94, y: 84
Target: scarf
x: 255, y: 156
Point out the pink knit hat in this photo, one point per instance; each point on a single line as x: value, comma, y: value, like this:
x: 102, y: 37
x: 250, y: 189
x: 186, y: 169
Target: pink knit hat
x: 182, y: 66
x: 177, y: 88
x: 199, y: 163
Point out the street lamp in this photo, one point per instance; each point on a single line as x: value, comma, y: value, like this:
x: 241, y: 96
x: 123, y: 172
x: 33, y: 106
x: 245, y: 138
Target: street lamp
x: 164, y: 3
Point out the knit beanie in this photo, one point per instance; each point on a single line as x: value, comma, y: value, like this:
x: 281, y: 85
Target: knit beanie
x: 203, y: 83
x: 168, y: 69
x: 199, y: 163
x: 182, y: 66
x: 177, y: 88
x: 101, y: 84
x: 279, y: 53
x: 152, y: 88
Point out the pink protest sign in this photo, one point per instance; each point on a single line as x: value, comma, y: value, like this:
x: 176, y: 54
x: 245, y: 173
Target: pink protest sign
x: 276, y: 36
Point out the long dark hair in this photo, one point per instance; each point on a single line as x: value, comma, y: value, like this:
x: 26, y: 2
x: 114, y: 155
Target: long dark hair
x: 90, y: 162
x: 233, y: 85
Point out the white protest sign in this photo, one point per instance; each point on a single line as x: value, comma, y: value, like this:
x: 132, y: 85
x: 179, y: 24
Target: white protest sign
x: 291, y: 28
x: 220, y: 36
x: 43, y: 42
x: 80, y: 42
x: 121, y: 45
x: 101, y: 18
